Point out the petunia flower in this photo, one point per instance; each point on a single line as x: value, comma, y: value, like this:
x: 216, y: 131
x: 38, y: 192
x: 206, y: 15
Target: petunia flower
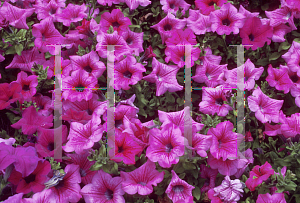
x: 201, y: 143
x: 251, y: 74
x: 186, y: 36
x: 268, y: 198
x: 255, y: 33
x: 174, y: 5
x: 199, y: 23
x: 16, y: 16
x: 289, y: 125
x: 281, y: 16
x: 279, y: 78
x: 32, y: 121
x: 28, y: 84
x: 108, y: 2
x: 247, y: 13
x: 207, y: 6
x: 213, y: 198
x: 45, y: 34
x: 47, y: 11
x: 147, y: 54
x: 71, y: 14
x: 279, y: 32
x: 295, y: 91
x: 66, y: 67
x: 213, y: 102
x: 85, y: 28
x: 88, y: 62
x: 166, y: 26
x: 178, y: 189
x: 244, y: 162
x: 33, y: 182
x: 258, y: 175
x: 272, y: 130
x: 133, y: 4
x: 10, y: 141
x: 210, y: 175
x: 141, y: 179
x: 9, y: 93
x: 129, y: 102
x: 127, y: 72
x: 17, y: 198
x: 166, y: 145
x: 43, y: 103
x: 164, y: 76
x: 134, y: 40
x: 116, y: 19
x: 226, y: 20
x: 103, y: 188
x: 40, y: 197
x: 60, y: 3
x: 27, y: 59
x: 68, y: 189
x: 265, y: 108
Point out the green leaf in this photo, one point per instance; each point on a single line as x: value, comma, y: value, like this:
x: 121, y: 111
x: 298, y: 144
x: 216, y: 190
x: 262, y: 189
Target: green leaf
x: 274, y: 56
x: 284, y: 46
x: 295, y: 33
x: 262, y: 62
x: 10, y: 50
x: 188, y: 166
x: 197, y: 193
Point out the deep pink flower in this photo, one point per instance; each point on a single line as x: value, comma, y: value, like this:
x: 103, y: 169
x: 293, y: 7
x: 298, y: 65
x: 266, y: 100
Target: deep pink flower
x: 28, y: 84
x: 207, y: 6
x: 209, y: 58
x: 141, y: 179
x: 201, y: 143
x: 289, y: 125
x: 108, y: 2
x: 9, y: 141
x: 127, y: 72
x: 244, y: 162
x: 295, y: 91
x: 251, y: 74
x: 32, y: 121
x: 116, y: 19
x: 279, y: 78
x: 40, y: 197
x: 9, y: 93
x: 49, y: 10
x: 103, y: 188
x: 129, y: 102
x: 134, y: 40
x: 133, y: 4
x: 60, y: 3
x: 279, y: 32
x: 45, y: 34
x: 267, y: 198
x: 78, y: 86
x: 258, y: 175
x: 199, y: 23
x: 147, y: 54
x: 85, y: 28
x: 292, y: 57
x: 265, y: 108
x: 255, y: 33
x: 17, y: 198
x: 166, y: 145
x: 186, y: 36
x: 226, y: 20
x: 33, y: 182
x: 248, y: 137
x: 16, y: 16
x: 272, y: 130
x: 166, y: 26
x: 213, y: 102
x: 213, y: 198
x: 247, y: 13
x: 178, y: 189
x: 164, y: 76
x: 71, y: 14
x: 210, y: 175
x: 281, y: 16
x: 174, y: 5
x: 65, y: 67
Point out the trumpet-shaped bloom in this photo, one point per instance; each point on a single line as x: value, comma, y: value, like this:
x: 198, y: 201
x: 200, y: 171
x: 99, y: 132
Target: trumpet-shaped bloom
x: 116, y: 19
x: 40, y: 197
x: 182, y: 36
x: 290, y: 126
x: 166, y: 145
x: 141, y: 179
x: 133, y: 4
x: 47, y: 11
x: 9, y: 93
x: 279, y: 78
x: 28, y: 84
x: 279, y: 32
x: 134, y: 40
x: 207, y: 6
x: 178, y: 189
x: 226, y: 20
x: 281, y: 16
x: 230, y: 190
x: 210, y: 175
x: 251, y: 74
x: 164, y: 76
x: 104, y: 188
x: 244, y: 161
x: 174, y: 5
x: 71, y: 14
x: 295, y: 91
x: 199, y: 23
x: 268, y: 198
x: 292, y: 57
x: 201, y: 143
x: 265, y: 108
x: 247, y: 13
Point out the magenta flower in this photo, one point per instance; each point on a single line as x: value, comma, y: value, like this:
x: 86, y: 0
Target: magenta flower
x: 199, y: 23
x: 9, y: 93
x: 33, y: 182
x: 186, y: 36
x: 32, y: 121
x: 134, y: 40
x: 272, y: 130
x: 166, y: 26
x: 210, y: 175
x: 47, y: 11
x: 83, y: 137
x: 244, y: 162
x: 9, y: 141
x: 213, y: 198
x: 174, y: 5
x: 108, y: 2
x: 281, y: 16
x: 292, y: 57
x: 141, y: 179
x: 129, y: 102
x: 116, y: 19
x: 28, y: 84
x: 201, y: 143
x: 247, y: 13
x: 178, y: 189
x: 279, y: 78
x: 289, y: 125
x: 226, y: 20
x: 164, y: 76
x: 213, y: 102
x: 165, y: 146
x: 71, y: 14
x: 295, y: 91
x: 265, y: 108
x: 17, y: 198
x: 78, y: 86
x: 88, y: 62
x: 251, y: 74
x: 46, y: 34
x: 103, y: 188
x: 147, y: 54
x: 68, y: 189
x: 133, y: 4
x: 15, y: 16
x: 279, y: 32
x: 268, y: 198
x: 255, y: 33
x: 44, y: 104
x: 40, y: 197
x: 258, y: 175
x: 127, y: 72
x: 230, y: 190
x: 207, y: 6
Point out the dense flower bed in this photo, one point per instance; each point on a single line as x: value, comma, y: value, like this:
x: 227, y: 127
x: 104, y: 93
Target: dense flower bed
x: 163, y: 150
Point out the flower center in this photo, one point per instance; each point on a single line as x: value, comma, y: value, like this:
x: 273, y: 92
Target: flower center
x: 219, y: 101
x: 88, y: 69
x: 116, y: 24
x: 26, y: 88
x: 82, y: 172
x: 211, y: 3
x: 52, y: 11
x: 172, y: 6
x: 129, y: 41
x: 60, y: 185
x: 182, y: 58
x: 294, y: 78
x: 246, y: 78
x: 169, y: 147
x: 287, y: 16
x: 159, y: 78
x: 226, y: 22
x: 118, y: 123
x: 79, y: 88
x: 50, y: 146
x: 178, y: 188
x: 43, y: 37
x: 109, y: 194
x: 127, y: 74
x: 208, y: 76
x: 89, y: 111
x: 167, y: 27
x: 30, y: 178
x: 120, y: 149
x: 251, y: 37
x: 142, y: 183
x: 219, y: 143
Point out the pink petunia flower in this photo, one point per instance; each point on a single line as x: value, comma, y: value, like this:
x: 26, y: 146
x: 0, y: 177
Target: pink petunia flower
x: 116, y: 19
x: 244, y: 162
x: 9, y: 93
x: 199, y: 23
x: 210, y: 175
x: 49, y: 10
x: 103, y: 188
x: 289, y: 125
x: 268, y: 198
x: 10, y: 141
x: 164, y: 76
x: 258, y: 175
x: 186, y: 36
x: 201, y: 143
x: 226, y: 20
x: 247, y: 13
x: 166, y: 145
x: 147, y: 54
x: 133, y: 4
x: 265, y: 108
x: 134, y: 40
x: 178, y: 189
x: 255, y: 33
x: 251, y: 74
x: 71, y: 14
x: 108, y: 2
x: 60, y: 3
x: 78, y: 86
x: 213, y: 102
x: 279, y: 32
x: 28, y: 84
x: 279, y: 78
x: 207, y: 6
x: 141, y: 179
x: 174, y: 5
x: 272, y: 130
x: 17, y: 198
x: 295, y: 91
x: 213, y: 198
x: 43, y: 104
x: 292, y: 57
x: 281, y: 16
x: 166, y: 26
x: 40, y: 197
